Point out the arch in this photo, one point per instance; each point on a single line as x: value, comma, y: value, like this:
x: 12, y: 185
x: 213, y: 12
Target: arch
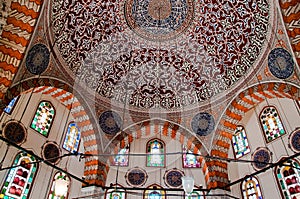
x: 242, y: 103
x: 72, y: 138
x: 166, y: 128
x: 117, y: 191
x: 240, y: 142
x: 154, y: 191
x: 250, y: 188
x: 156, y: 153
x: 59, y: 175
x: 95, y: 170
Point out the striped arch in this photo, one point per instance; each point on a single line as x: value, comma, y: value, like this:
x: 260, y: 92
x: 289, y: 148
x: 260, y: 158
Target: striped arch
x: 95, y: 171
x: 242, y: 103
x: 15, y: 37
x: 166, y: 128
x: 291, y: 16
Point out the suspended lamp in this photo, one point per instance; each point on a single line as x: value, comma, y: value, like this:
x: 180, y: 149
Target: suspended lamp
x: 188, y: 184
x: 61, y: 187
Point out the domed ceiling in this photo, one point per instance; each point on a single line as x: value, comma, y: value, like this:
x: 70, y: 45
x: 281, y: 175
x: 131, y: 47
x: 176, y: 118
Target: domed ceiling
x: 161, y: 54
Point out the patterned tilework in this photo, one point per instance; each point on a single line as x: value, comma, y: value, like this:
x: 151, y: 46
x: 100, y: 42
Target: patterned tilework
x: 246, y: 100
x: 15, y: 38
x: 291, y: 16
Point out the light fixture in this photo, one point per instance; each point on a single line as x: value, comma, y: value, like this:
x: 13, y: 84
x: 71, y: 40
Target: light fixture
x: 61, y: 187
x: 188, y: 184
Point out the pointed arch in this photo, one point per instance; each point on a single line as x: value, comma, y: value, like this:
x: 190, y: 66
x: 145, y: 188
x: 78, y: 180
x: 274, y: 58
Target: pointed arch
x: 241, y: 104
x: 57, y: 176
x: 250, y: 188
x: 156, y: 153
x: 240, y: 142
x: 72, y: 138
x: 154, y: 191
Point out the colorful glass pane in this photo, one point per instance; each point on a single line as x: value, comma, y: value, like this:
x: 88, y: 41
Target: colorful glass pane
x: 58, y: 175
x: 288, y: 179
x: 43, y: 118
x: 20, y: 178
x: 8, y: 109
x: 122, y: 158
x: 189, y: 159
x: 240, y: 142
x: 154, y: 193
x: 115, y: 193
x: 271, y: 123
x: 72, y: 138
x: 155, y: 153
x: 251, y: 189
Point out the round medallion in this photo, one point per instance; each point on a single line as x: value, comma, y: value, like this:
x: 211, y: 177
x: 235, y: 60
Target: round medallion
x: 173, y: 178
x: 203, y: 124
x: 110, y: 122
x: 280, y: 63
x: 15, y: 132
x: 159, y: 19
x: 294, y: 140
x: 136, y: 177
x: 37, y: 59
x: 261, y: 158
x: 51, y: 152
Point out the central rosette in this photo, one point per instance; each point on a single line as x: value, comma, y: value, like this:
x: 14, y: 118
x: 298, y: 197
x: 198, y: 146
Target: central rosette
x: 159, y: 19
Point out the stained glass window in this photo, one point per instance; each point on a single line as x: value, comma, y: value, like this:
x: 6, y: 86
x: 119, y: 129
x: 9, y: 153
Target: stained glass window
x: 122, y: 158
x: 58, y: 175
x: 154, y: 192
x: 189, y: 159
x: 43, y: 118
x: 271, y: 123
x: 72, y: 138
x: 115, y: 193
x: 288, y: 179
x: 9, y: 108
x: 251, y: 189
x: 155, y: 153
x: 240, y: 142
x: 20, y: 178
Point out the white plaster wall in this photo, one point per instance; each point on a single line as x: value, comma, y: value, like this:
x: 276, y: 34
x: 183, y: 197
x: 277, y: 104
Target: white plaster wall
x: 35, y: 142
x: 290, y: 119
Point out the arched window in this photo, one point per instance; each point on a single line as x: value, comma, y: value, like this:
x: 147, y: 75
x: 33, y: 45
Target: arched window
x: 271, y: 123
x: 122, y: 158
x: 288, y: 179
x: 155, y: 153
x: 58, y: 175
x: 189, y: 160
x: 9, y: 108
x: 43, y: 118
x: 20, y: 178
x: 154, y: 192
x: 251, y: 189
x: 116, y: 192
x: 240, y: 142
x: 72, y: 138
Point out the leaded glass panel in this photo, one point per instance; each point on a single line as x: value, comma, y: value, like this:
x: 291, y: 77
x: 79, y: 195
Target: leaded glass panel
x: 72, y: 138
x: 155, y: 153
x: 8, y: 109
x: 58, y: 175
x: 19, y: 180
x: 115, y: 193
x: 189, y: 159
x: 122, y: 158
x: 43, y: 118
x: 271, y: 123
x: 152, y: 193
x: 240, y: 142
x: 251, y: 189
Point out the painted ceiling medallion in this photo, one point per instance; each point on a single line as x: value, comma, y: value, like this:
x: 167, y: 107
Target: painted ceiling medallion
x: 261, y: 157
x: 280, y: 63
x: 172, y: 178
x: 51, y: 152
x: 159, y: 19
x: 294, y: 140
x: 37, y: 59
x: 110, y: 122
x: 136, y: 177
x: 15, y: 132
x: 203, y: 124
